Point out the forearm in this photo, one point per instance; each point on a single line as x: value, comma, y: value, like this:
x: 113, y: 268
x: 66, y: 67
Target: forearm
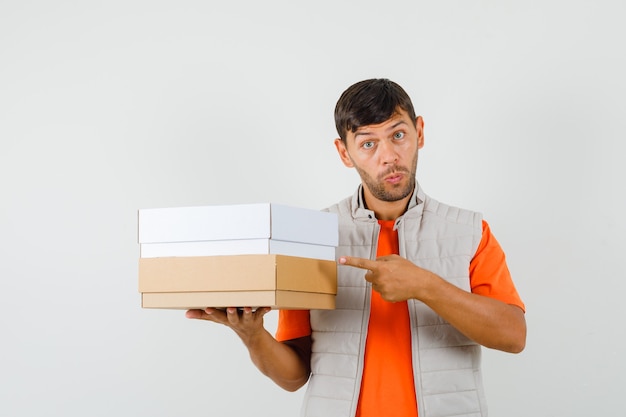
x: 287, y: 366
x: 485, y: 320
x: 276, y: 360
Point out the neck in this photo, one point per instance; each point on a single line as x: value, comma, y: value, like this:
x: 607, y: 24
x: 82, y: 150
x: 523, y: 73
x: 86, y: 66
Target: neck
x: 385, y: 210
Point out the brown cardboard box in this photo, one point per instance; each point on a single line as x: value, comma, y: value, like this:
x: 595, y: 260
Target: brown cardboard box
x: 278, y: 299
x: 277, y: 281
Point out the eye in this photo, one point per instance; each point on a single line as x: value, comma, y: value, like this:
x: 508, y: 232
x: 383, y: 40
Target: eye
x: 367, y: 145
x: 398, y: 135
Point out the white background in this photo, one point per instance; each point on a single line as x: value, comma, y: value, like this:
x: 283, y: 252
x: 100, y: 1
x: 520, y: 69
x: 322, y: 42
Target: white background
x: 111, y: 106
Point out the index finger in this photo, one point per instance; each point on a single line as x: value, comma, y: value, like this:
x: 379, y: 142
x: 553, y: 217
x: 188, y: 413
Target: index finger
x: 358, y: 262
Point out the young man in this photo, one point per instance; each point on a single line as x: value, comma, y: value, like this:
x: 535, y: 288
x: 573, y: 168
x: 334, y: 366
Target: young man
x: 421, y: 286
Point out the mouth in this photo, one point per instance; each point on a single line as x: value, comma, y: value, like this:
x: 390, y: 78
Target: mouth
x: 393, y: 178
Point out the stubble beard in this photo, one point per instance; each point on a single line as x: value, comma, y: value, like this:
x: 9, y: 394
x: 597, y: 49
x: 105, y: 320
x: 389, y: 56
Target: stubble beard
x: 380, y: 189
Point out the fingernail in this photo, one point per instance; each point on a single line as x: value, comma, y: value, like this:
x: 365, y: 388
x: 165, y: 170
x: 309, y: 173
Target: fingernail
x: 342, y: 260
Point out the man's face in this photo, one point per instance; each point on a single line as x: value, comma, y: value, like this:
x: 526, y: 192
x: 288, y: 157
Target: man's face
x: 385, y: 156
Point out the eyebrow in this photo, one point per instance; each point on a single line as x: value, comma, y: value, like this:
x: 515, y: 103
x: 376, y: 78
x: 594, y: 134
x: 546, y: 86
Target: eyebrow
x: 392, y: 127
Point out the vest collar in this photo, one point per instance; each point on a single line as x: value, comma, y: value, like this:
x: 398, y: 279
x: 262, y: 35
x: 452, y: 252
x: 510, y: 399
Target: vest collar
x: 359, y: 211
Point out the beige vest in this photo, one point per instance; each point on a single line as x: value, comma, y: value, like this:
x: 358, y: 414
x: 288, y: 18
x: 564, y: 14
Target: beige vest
x: 446, y: 364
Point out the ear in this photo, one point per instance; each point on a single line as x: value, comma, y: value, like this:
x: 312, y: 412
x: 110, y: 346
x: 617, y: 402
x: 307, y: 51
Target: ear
x: 343, y: 153
x: 419, y: 126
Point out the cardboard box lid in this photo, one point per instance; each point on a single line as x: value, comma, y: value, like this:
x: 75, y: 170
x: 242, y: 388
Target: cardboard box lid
x: 237, y: 273
x: 242, y: 221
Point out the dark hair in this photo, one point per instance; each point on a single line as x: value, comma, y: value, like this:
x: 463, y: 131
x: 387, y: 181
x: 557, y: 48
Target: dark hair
x: 370, y: 102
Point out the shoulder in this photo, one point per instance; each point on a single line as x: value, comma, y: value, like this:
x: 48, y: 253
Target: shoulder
x: 451, y: 213
x: 342, y: 208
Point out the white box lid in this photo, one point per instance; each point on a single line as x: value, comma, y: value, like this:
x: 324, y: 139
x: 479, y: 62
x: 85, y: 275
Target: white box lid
x: 240, y: 221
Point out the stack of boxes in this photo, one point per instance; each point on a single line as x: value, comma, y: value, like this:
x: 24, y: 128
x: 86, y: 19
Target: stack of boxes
x: 237, y: 256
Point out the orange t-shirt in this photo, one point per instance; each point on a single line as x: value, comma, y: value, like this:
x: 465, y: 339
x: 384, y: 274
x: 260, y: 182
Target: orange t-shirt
x: 387, y: 386
x: 388, y: 373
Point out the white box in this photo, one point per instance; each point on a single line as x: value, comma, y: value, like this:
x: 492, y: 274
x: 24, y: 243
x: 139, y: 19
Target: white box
x: 237, y: 247
x: 233, y: 222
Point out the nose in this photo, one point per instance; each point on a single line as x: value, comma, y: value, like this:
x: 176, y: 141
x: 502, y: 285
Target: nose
x: 387, y: 151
